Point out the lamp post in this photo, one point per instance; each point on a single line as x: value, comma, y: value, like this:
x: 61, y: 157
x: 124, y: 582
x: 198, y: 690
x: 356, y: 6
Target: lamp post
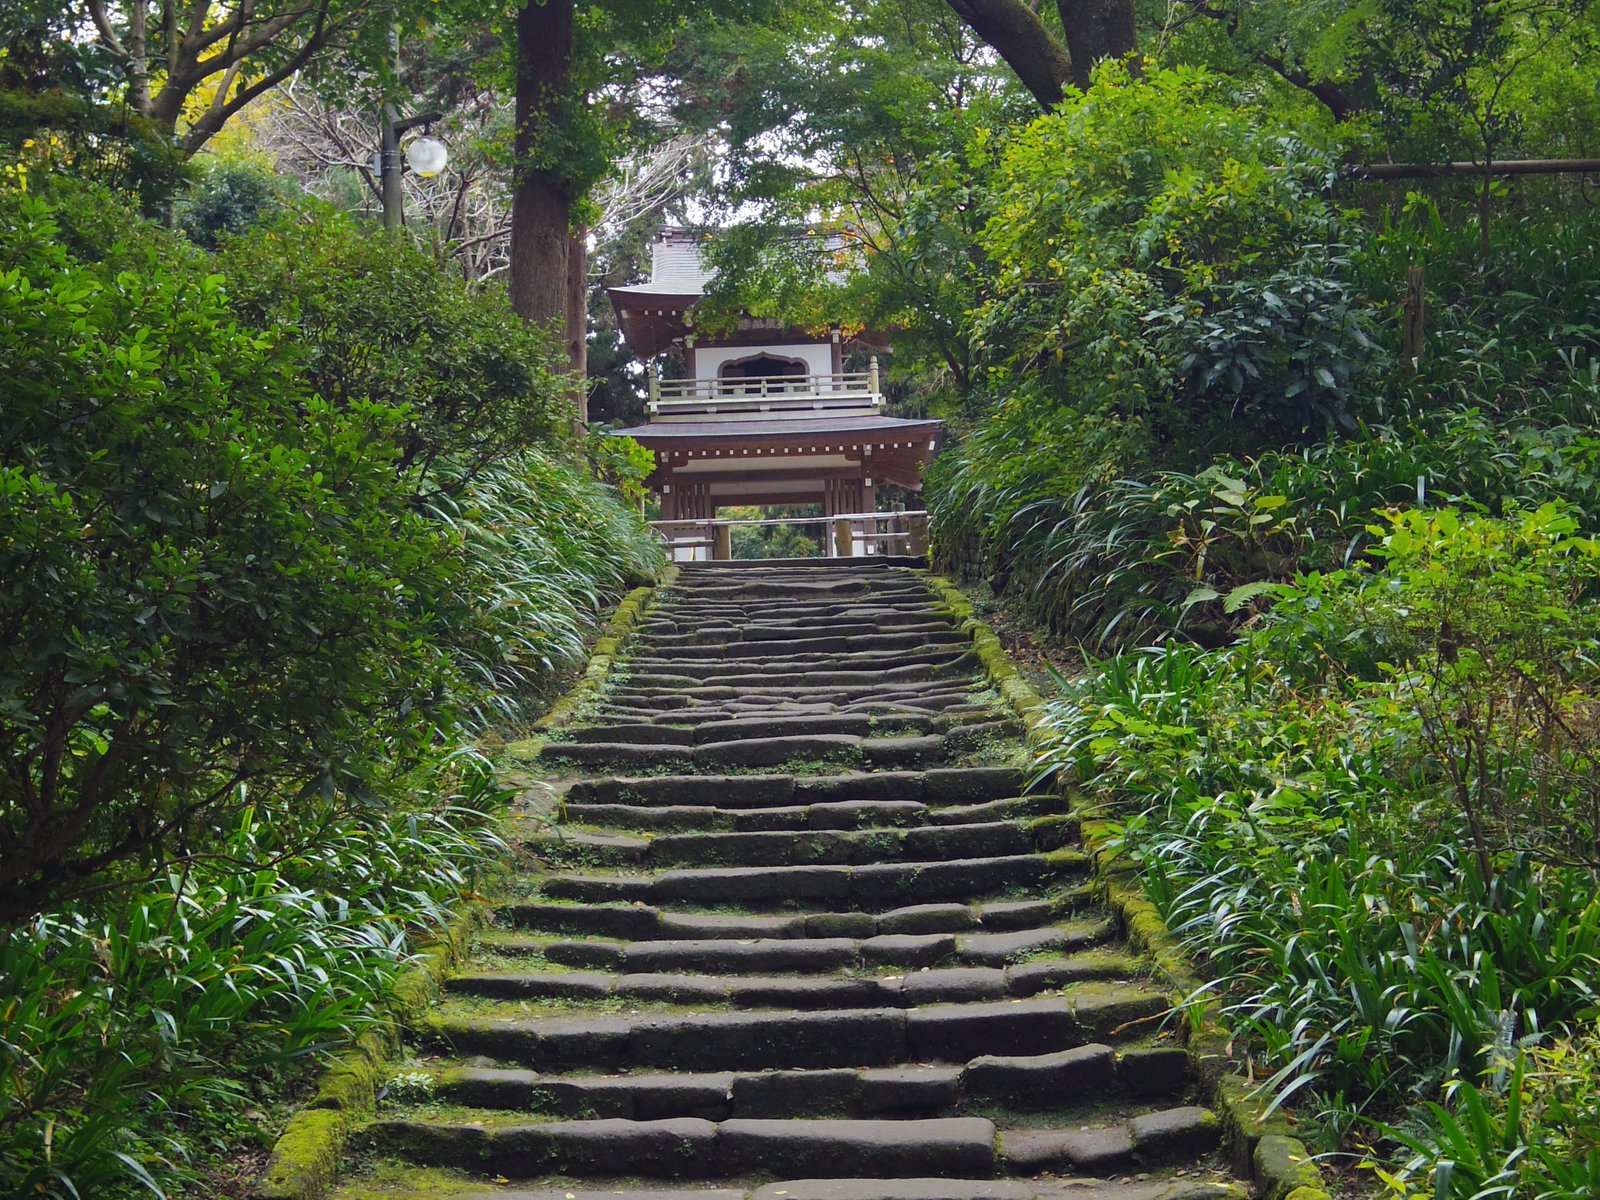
x: 426, y: 156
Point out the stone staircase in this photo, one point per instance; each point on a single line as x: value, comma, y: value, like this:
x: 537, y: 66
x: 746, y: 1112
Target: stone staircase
x: 797, y: 934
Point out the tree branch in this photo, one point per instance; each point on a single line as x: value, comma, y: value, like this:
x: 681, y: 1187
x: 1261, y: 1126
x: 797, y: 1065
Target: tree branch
x: 1020, y: 37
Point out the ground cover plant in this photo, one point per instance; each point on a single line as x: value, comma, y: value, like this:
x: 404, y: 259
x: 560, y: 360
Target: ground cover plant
x: 1373, y: 817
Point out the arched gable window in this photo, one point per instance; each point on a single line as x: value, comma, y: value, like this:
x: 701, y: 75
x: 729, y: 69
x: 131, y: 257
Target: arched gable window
x: 763, y: 366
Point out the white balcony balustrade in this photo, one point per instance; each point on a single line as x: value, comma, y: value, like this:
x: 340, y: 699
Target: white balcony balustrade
x: 752, y: 396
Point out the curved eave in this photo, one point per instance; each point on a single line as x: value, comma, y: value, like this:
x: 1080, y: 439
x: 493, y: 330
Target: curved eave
x: 651, y: 321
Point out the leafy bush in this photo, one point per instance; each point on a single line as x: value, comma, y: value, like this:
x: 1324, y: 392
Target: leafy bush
x: 228, y: 197
x: 138, y: 1036
x: 209, y: 577
x: 370, y: 319
x: 1164, y: 249
x: 1359, y: 816
x: 238, y: 637
x: 1114, y: 561
x: 545, y: 549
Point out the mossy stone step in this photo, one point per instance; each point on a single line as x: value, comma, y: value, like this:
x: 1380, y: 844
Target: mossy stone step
x: 733, y: 728
x: 642, y: 922
x: 644, y: 663
x: 1148, y: 1140
x: 834, y: 991
x: 862, y: 1037
x: 888, y: 752
x: 828, y: 643
x: 844, y: 814
x: 722, y: 956
x: 782, y: 848
x: 834, y: 1188
x: 946, y: 785
x: 1070, y: 1079
x: 847, y: 886
x: 691, y: 1148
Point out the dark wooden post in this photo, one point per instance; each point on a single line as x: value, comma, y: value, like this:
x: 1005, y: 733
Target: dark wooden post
x: 1414, y: 332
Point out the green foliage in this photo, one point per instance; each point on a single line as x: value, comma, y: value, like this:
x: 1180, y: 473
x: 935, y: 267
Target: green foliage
x: 215, y: 576
x: 1372, y: 816
x: 238, y: 636
x: 545, y: 549
x: 776, y: 541
x: 879, y: 130
x: 209, y: 576
x: 51, y: 131
x: 228, y: 197
x: 140, y: 1037
x: 621, y: 462
x: 375, y: 320
x: 1163, y: 248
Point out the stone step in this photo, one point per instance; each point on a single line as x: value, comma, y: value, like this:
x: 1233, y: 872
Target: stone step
x: 736, y: 728
x: 685, y: 711
x: 692, y: 631
x: 833, y: 1188
x: 696, y: 1148
x: 853, y: 814
x: 672, y: 696
x: 847, y: 886
x: 800, y: 1039
x: 806, y: 648
x: 1089, y: 1075
x: 833, y: 991
x: 693, y: 1148
x: 643, y: 663
x: 790, y: 848
x: 886, y: 752
x: 833, y: 679
x: 951, y: 785
x: 643, y: 922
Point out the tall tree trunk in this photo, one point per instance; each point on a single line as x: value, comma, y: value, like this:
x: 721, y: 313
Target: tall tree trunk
x: 577, y: 317
x: 541, y: 204
x: 1096, y: 29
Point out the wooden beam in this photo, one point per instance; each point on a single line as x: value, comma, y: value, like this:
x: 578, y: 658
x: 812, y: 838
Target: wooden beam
x: 1506, y: 166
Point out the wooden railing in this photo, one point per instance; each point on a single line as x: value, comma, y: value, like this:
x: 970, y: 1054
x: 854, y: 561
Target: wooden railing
x: 844, y: 535
x: 767, y: 393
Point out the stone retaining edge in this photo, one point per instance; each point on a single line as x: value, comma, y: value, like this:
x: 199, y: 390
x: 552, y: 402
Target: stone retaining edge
x: 1263, y: 1147
x: 304, y: 1163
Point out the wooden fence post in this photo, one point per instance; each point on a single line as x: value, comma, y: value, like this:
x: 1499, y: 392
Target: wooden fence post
x: 844, y: 539
x: 1414, y: 333
x: 917, y: 528
x: 722, y: 543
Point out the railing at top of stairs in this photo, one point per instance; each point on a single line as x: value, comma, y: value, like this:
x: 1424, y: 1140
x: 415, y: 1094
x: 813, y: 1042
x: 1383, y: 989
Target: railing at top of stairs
x: 844, y: 535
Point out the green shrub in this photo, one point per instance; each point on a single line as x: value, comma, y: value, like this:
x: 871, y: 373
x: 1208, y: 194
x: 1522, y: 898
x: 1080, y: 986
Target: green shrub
x: 545, y: 549
x: 140, y: 1037
x: 209, y: 577
x: 1367, y: 817
x: 372, y: 319
x: 228, y: 197
x: 1164, y: 249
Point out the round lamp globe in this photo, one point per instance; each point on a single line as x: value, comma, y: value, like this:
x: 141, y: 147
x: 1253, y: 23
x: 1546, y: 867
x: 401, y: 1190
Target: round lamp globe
x: 427, y: 156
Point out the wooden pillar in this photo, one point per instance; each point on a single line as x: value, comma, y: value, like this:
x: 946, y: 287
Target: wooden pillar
x: 722, y: 543
x: 844, y: 539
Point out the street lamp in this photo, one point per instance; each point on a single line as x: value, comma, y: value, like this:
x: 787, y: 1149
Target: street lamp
x: 427, y: 156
